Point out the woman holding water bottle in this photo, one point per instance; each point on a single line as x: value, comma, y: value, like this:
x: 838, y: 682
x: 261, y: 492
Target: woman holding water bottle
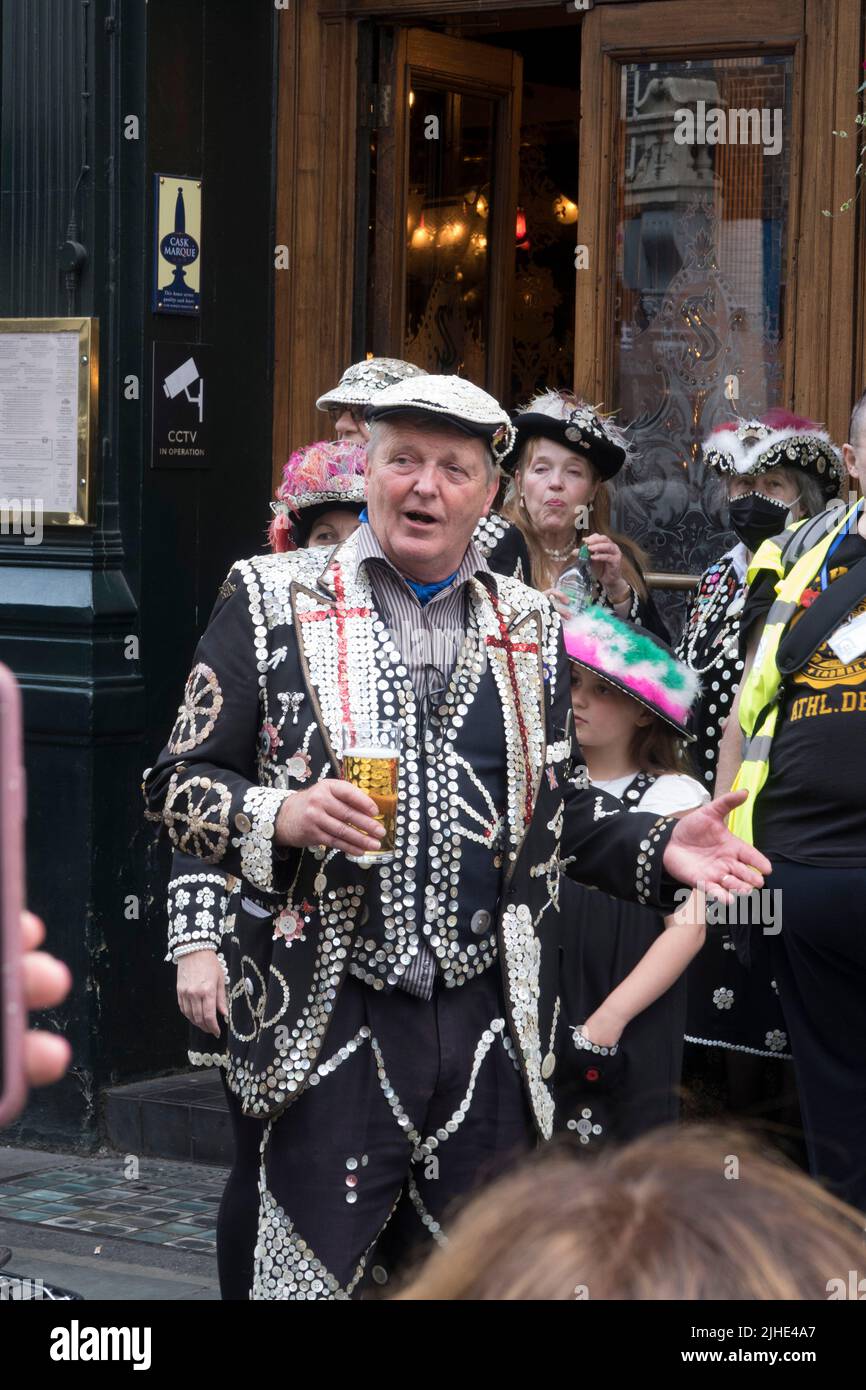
x: 566, y: 452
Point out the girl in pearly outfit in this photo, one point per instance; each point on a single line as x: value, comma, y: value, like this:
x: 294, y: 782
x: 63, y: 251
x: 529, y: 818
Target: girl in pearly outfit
x: 623, y: 1002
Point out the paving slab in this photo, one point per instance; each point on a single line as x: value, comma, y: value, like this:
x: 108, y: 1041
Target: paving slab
x: 108, y: 1229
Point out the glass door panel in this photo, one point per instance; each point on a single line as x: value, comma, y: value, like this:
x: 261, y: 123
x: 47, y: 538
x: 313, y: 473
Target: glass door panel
x: 691, y: 169
x: 443, y: 235
x: 449, y: 190
x: 703, y: 166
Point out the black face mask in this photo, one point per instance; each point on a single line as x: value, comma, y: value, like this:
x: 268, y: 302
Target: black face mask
x: 754, y: 518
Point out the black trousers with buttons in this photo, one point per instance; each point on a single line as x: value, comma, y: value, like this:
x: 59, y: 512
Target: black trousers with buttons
x: 819, y: 957
x: 418, y: 1103
x: 238, y: 1216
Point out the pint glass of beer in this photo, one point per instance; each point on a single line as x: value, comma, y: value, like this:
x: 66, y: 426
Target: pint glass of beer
x: 371, y: 761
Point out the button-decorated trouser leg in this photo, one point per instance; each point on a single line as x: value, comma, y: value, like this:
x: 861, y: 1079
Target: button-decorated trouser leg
x: 237, y: 1219
x: 334, y: 1163
x: 479, y: 1122
x: 397, y: 1073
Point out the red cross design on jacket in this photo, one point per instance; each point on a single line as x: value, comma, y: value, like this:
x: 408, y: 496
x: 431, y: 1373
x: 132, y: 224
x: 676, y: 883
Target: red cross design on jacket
x: 504, y: 643
x: 339, y: 613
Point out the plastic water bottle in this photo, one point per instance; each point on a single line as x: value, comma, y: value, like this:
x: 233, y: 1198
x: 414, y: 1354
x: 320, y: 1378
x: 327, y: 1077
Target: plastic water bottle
x: 576, y: 582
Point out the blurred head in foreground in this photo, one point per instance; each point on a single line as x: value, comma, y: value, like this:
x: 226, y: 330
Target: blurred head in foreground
x: 684, y: 1213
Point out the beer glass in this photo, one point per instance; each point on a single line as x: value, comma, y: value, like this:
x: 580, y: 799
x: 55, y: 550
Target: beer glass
x: 371, y: 761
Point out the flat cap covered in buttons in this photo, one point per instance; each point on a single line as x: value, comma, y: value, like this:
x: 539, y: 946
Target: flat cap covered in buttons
x: 462, y: 404
x: 361, y: 382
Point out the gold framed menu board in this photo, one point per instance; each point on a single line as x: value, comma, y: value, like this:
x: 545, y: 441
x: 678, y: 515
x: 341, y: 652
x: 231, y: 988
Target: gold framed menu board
x: 49, y: 396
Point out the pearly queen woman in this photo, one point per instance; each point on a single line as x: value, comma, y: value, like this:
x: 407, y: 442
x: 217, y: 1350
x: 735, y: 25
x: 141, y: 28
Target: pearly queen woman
x: 392, y: 1026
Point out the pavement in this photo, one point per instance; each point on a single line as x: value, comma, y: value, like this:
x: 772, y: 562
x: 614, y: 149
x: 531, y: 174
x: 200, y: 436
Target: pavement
x: 111, y: 1226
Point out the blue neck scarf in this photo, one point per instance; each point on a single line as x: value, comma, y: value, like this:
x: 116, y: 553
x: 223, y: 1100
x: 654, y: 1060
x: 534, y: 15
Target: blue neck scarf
x: 423, y: 592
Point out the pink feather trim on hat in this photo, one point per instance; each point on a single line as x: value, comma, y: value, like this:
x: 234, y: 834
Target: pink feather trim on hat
x: 621, y: 653
x: 330, y: 467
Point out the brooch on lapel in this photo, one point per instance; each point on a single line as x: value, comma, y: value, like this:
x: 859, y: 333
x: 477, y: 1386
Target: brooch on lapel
x: 291, y: 700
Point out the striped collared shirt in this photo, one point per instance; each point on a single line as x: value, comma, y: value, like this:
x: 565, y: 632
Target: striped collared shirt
x: 429, y: 639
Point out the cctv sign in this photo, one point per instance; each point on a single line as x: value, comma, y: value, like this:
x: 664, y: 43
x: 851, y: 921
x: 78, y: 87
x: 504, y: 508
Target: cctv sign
x: 180, y: 405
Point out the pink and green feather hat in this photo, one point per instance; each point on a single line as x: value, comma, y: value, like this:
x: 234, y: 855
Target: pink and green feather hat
x: 635, y: 662
x: 316, y: 479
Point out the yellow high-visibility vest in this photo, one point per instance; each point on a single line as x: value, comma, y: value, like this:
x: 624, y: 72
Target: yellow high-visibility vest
x: 795, y: 559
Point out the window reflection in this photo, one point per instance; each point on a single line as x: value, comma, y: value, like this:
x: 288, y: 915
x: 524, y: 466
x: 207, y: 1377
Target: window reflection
x: 701, y: 232
x: 451, y: 149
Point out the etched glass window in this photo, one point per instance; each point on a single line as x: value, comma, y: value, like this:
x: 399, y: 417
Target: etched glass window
x: 702, y: 192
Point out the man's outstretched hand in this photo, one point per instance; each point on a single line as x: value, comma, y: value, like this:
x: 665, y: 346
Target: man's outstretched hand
x: 703, y: 852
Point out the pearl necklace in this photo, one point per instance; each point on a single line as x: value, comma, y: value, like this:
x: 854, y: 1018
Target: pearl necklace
x: 560, y: 554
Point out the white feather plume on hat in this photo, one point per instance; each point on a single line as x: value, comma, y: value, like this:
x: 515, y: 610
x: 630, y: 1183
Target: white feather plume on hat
x: 733, y: 450
x: 559, y: 407
x: 754, y: 447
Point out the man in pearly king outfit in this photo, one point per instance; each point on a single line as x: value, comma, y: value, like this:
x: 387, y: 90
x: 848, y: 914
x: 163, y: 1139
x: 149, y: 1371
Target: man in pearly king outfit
x: 392, y: 1025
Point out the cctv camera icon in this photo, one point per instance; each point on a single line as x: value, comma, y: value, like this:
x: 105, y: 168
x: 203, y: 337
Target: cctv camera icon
x: 181, y: 379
